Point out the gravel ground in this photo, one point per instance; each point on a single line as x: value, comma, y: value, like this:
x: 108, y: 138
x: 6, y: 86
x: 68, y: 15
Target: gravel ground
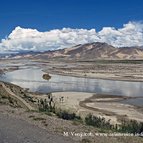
x: 13, y: 130
x: 19, y: 126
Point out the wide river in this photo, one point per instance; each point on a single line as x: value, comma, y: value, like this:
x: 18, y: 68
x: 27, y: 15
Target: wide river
x: 31, y: 77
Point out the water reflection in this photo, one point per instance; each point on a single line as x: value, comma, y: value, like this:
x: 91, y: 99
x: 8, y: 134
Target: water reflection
x: 32, y: 79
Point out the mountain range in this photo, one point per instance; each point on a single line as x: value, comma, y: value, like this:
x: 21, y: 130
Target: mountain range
x: 88, y: 51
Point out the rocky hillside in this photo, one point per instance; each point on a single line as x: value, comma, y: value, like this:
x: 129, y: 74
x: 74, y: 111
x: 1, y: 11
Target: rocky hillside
x: 90, y: 51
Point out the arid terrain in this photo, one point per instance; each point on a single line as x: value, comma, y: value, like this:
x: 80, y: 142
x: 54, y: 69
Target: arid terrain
x: 19, y: 105
x: 89, y: 51
x: 28, y: 125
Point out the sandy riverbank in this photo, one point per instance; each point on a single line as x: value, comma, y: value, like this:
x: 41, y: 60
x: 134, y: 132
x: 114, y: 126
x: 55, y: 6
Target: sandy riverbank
x: 104, y: 76
x: 108, y: 107
x: 71, y: 101
x: 82, y: 103
x: 90, y: 69
x: 97, y: 69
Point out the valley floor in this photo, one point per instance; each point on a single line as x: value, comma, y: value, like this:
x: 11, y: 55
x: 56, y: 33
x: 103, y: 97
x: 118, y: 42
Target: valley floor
x: 115, y: 70
x: 51, y: 128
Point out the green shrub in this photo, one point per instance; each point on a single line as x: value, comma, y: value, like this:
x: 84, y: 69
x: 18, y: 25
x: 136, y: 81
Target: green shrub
x: 97, y: 122
x: 67, y: 116
x: 131, y: 126
x: 46, y: 106
x: 38, y: 119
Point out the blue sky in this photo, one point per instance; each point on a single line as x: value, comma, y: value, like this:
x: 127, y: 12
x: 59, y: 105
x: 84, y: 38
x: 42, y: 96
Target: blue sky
x: 45, y: 15
x: 41, y: 25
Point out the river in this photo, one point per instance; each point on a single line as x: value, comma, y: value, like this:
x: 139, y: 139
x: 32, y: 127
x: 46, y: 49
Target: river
x: 31, y: 77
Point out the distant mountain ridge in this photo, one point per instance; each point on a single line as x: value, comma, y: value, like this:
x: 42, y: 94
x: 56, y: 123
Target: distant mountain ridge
x: 94, y: 50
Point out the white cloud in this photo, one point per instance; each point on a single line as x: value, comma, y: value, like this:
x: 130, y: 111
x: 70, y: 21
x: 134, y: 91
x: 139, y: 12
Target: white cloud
x: 31, y: 39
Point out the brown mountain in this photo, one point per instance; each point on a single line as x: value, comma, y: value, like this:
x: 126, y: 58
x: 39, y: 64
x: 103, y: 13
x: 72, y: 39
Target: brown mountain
x: 91, y: 51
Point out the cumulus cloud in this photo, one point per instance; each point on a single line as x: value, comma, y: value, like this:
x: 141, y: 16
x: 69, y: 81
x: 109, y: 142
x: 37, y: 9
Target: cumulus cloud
x: 131, y: 34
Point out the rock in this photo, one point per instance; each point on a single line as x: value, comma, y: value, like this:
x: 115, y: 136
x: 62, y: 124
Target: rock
x: 46, y: 76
